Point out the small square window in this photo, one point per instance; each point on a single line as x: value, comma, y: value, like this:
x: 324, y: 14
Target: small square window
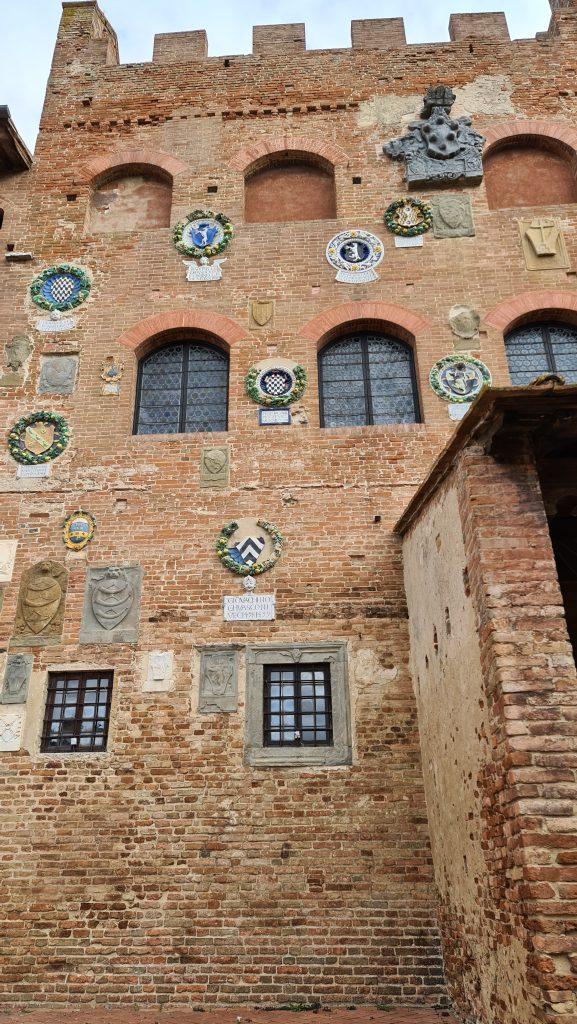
x: 71, y: 721
x: 297, y: 705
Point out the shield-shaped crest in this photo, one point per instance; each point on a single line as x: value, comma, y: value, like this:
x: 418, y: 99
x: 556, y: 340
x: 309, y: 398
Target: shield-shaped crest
x: 112, y: 598
x: 39, y: 437
x: 451, y: 211
x: 41, y: 600
x: 543, y: 234
x: 261, y: 311
x: 249, y: 549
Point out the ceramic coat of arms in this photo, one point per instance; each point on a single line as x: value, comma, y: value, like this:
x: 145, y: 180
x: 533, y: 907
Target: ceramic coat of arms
x: 78, y: 530
x: 354, y: 254
x: 39, y: 437
x: 60, y: 288
x: 201, y: 235
x: 459, y: 378
x: 275, y: 383
x: 408, y: 217
x: 248, y: 547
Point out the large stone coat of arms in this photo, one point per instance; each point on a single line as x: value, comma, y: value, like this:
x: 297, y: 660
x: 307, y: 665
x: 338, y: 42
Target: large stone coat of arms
x: 438, y: 148
x: 111, y: 605
x: 40, y: 608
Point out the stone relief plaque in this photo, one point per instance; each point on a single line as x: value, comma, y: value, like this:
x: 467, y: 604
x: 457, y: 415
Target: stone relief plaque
x: 464, y: 322
x: 57, y: 375
x: 17, y: 352
x: 158, y: 675
x: 215, y: 467
x: 11, y: 725
x: 111, y: 605
x: 543, y: 244
x: 16, y: 679
x: 7, y: 558
x: 261, y: 312
x: 452, y: 216
x: 40, y: 609
x: 218, y: 689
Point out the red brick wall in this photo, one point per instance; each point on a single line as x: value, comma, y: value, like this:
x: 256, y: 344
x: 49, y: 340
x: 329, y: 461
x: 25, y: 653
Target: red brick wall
x: 289, y: 193
x: 519, y: 175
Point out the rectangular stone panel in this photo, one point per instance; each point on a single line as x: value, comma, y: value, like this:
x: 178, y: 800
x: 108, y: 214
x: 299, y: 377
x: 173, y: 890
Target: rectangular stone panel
x: 158, y: 671
x: 16, y: 678
x: 218, y: 680
x: 111, y: 611
x: 57, y: 375
x: 7, y: 557
x: 11, y: 725
x: 215, y: 467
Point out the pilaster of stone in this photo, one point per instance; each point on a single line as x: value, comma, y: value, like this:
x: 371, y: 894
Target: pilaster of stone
x: 531, y: 686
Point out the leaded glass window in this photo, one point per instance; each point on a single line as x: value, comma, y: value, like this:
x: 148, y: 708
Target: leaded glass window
x: 297, y: 705
x: 182, y: 388
x: 367, y: 379
x: 77, y: 711
x: 542, y: 348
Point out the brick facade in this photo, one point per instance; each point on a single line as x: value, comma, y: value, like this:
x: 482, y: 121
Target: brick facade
x: 167, y: 871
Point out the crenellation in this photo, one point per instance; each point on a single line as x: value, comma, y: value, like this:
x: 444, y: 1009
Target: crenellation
x: 277, y: 39
x: 479, y: 26
x: 179, y: 47
x: 378, y: 33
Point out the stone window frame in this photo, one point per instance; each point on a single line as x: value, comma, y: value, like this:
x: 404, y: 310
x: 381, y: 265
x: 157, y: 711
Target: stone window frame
x: 340, y: 751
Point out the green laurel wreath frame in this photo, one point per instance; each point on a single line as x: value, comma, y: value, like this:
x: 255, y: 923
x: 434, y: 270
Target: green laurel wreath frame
x: 435, y: 378
x: 419, y: 229
x: 71, y: 303
x: 66, y: 529
x: 61, y: 437
x: 208, y: 250
x: 275, y: 401
x: 259, y: 567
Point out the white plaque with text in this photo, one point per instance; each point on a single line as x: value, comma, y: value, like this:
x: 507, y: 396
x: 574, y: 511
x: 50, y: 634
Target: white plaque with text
x: 249, y: 607
x: 34, y: 472
x: 408, y: 241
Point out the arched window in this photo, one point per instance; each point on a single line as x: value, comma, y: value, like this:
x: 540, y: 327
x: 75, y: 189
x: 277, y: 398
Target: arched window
x: 130, y: 199
x: 182, y: 388
x: 289, y: 187
x: 367, y: 378
x: 542, y: 348
x: 530, y: 173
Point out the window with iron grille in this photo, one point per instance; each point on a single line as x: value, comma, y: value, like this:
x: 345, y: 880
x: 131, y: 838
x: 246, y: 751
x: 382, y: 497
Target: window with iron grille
x: 182, y: 388
x: 77, y: 711
x: 542, y: 348
x: 367, y: 379
x: 297, y: 706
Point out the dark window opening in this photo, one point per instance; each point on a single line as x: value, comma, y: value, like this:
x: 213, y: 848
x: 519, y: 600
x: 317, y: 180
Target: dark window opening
x: 1, y: 217
x: 182, y: 389
x: 77, y: 711
x: 367, y: 379
x: 297, y: 706
x: 542, y: 348
x: 563, y: 531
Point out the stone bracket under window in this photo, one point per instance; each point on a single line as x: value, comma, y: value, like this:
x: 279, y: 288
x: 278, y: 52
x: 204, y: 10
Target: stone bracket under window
x: 334, y: 654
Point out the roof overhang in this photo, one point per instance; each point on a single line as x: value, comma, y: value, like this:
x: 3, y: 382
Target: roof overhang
x: 498, y: 419
x: 14, y: 154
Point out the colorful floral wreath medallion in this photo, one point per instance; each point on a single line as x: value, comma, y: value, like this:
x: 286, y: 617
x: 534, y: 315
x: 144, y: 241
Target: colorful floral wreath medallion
x: 39, y: 437
x: 276, y: 386
x: 203, y: 234
x: 408, y: 217
x: 78, y: 530
x: 243, y: 555
x: 354, y: 254
x: 459, y: 378
x: 60, y: 288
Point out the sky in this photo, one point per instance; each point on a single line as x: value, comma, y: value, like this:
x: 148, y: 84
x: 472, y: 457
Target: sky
x: 29, y: 29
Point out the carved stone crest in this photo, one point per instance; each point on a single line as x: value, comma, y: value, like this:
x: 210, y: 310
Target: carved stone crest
x: 111, y: 605
x: 452, y: 216
x: 261, y: 311
x: 218, y: 680
x: 17, y: 352
x: 464, y: 322
x: 11, y: 725
x: 543, y: 244
x: 158, y: 671
x: 215, y: 467
x: 7, y: 557
x: 16, y: 679
x: 40, y: 609
x: 57, y: 375
x: 439, y: 148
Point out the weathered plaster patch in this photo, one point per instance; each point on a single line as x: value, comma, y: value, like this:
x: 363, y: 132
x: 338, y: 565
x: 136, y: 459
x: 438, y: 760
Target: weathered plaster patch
x: 486, y: 94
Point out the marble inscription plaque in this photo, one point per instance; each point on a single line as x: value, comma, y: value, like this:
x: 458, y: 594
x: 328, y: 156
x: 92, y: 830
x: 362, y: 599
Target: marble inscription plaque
x: 249, y: 608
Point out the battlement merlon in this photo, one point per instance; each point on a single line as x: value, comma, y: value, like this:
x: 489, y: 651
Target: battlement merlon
x: 85, y: 36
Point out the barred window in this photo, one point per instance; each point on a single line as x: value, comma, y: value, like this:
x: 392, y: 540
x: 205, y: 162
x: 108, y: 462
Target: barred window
x: 77, y: 711
x: 542, y: 348
x: 297, y: 705
x: 367, y: 379
x: 182, y: 388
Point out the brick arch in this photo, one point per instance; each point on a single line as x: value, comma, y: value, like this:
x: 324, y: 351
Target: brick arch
x: 323, y: 327
x: 547, y: 301
x: 132, y: 156
x: 260, y: 148
x: 215, y: 325
x: 527, y: 131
